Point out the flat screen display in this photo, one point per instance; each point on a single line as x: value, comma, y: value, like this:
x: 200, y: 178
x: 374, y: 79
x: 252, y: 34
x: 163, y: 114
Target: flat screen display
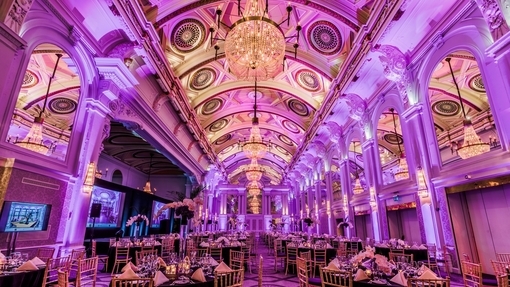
x: 156, y: 220
x: 111, y: 202
x: 24, y: 216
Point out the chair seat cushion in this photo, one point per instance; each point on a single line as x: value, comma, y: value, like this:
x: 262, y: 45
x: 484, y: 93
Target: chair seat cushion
x: 292, y: 257
x: 489, y: 281
x: 281, y: 254
x: 315, y: 281
x: 320, y: 259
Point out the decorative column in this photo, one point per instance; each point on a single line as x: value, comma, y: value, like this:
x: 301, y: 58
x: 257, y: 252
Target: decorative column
x: 267, y: 216
x: 492, y: 13
x: 370, y: 154
x: 318, y: 204
x: 13, y: 13
x: 345, y: 179
x: 223, y: 217
x: 329, y: 202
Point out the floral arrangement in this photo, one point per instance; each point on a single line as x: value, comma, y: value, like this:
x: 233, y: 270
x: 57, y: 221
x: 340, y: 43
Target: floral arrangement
x: 198, y: 221
x: 186, y: 209
x: 309, y: 221
x: 272, y: 224
x: 137, y: 219
x: 234, y: 221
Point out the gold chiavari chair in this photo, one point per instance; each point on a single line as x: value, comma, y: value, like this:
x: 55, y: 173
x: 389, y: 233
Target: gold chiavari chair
x: 45, y: 253
x: 139, y: 255
x: 306, y: 255
x: 401, y: 257
x: 139, y: 282
x: 261, y: 271
x: 113, y: 241
x: 232, y: 278
x: 335, y: 244
x: 121, y: 258
x: 304, y: 274
x: 503, y: 257
x: 246, y: 250
x: 319, y: 259
x: 76, y: 254
x: 335, y: 278
x: 342, y: 249
x: 216, y: 253
x: 431, y: 262
x: 352, y: 248
x: 472, y: 274
x: 500, y: 272
x: 236, y: 260
x: 63, y: 277
x: 445, y: 260
x: 279, y: 253
x: 415, y: 282
x: 167, y: 247
x: 101, y: 258
x: 87, y: 272
x: 292, y: 254
x: 396, y: 251
x: 51, y: 271
x: 502, y: 280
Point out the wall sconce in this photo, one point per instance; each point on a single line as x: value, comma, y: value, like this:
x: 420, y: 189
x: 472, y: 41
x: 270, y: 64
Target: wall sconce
x: 373, y: 200
x: 422, y: 184
x: 99, y: 173
x: 89, y: 178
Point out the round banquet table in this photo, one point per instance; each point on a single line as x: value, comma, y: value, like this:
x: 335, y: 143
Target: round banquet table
x: 418, y: 254
x: 132, y: 254
x: 22, y: 278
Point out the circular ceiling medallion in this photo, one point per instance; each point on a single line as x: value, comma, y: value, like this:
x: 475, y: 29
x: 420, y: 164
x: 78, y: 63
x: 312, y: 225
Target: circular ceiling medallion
x: 446, y: 108
x: 308, y: 80
x: 299, y: 108
x: 188, y: 35
x: 251, y: 95
x: 227, y: 149
x: 286, y: 140
x: 393, y: 139
x: 223, y: 139
x: 218, y: 125
x: 476, y: 83
x: 202, y: 79
x: 29, y: 80
x: 290, y: 126
x: 62, y: 106
x: 282, y: 150
x: 278, y: 158
x: 212, y: 106
x: 325, y: 38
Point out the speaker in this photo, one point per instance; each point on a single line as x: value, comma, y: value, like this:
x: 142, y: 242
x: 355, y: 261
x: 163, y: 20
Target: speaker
x: 95, y: 210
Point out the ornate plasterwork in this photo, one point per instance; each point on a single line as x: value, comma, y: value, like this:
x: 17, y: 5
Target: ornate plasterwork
x: 17, y: 13
x: 357, y: 106
x: 395, y: 68
x: 335, y: 132
x: 494, y: 18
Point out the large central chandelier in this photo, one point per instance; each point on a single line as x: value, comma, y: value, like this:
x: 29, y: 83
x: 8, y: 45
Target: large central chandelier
x: 254, y: 171
x: 253, y: 188
x: 472, y: 145
x: 34, y: 140
x: 255, y: 45
x: 403, y: 170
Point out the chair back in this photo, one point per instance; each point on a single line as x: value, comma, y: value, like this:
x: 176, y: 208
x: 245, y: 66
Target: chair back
x: 499, y: 267
x: 415, y: 282
x: 302, y: 268
x: 232, y: 278
x: 236, y: 259
x: 306, y: 255
x: 503, y: 257
x: 319, y: 255
x: 335, y: 278
x: 278, y: 246
x: 63, y: 277
x: 94, y: 248
x: 140, y: 255
x: 400, y: 257
x: 292, y: 254
x: 471, y: 274
x: 216, y: 253
x: 260, y: 270
x: 121, y: 252
x: 45, y: 253
x: 52, y: 266
x: 113, y: 241
x: 139, y: 282
x: 76, y: 255
x: 87, y: 271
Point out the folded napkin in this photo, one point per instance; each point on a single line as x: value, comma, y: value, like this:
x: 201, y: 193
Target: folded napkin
x: 415, y: 247
x: 161, y: 262
x: 204, y: 244
x: 157, y: 243
x: 360, y: 275
x: 27, y: 266
x: 222, y: 268
x: 399, y: 279
x: 422, y: 247
x: 128, y: 274
x: 428, y: 275
x: 129, y: 265
x: 329, y: 246
x: 2, y: 256
x: 160, y: 278
x: 332, y: 266
x: 37, y: 261
x: 213, y: 262
x: 335, y: 261
x: 198, y: 275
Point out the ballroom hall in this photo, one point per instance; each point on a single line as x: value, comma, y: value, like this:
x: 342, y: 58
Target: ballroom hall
x: 338, y: 143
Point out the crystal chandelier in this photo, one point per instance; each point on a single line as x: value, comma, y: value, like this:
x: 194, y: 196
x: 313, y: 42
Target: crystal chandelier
x: 254, y: 188
x: 255, y: 45
x: 147, y: 187
x: 357, y: 189
x: 255, y: 147
x: 254, y: 171
x: 472, y: 145
x: 403, y: 171
x: 34, y: 140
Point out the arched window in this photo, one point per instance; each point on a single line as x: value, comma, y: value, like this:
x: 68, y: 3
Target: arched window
x: 117, y: 177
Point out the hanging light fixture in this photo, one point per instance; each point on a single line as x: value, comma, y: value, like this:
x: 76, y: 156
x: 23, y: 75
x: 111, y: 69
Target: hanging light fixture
x: 403, y: 170
x: 255, y: 44
x: 255, y: 147
x: 472, y: 145
x: 147, y: 187
x: 422, y: 184
x: 253, y: 188
x: 34, y: 140
x: 254, y: 171
x: 357, y: 189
